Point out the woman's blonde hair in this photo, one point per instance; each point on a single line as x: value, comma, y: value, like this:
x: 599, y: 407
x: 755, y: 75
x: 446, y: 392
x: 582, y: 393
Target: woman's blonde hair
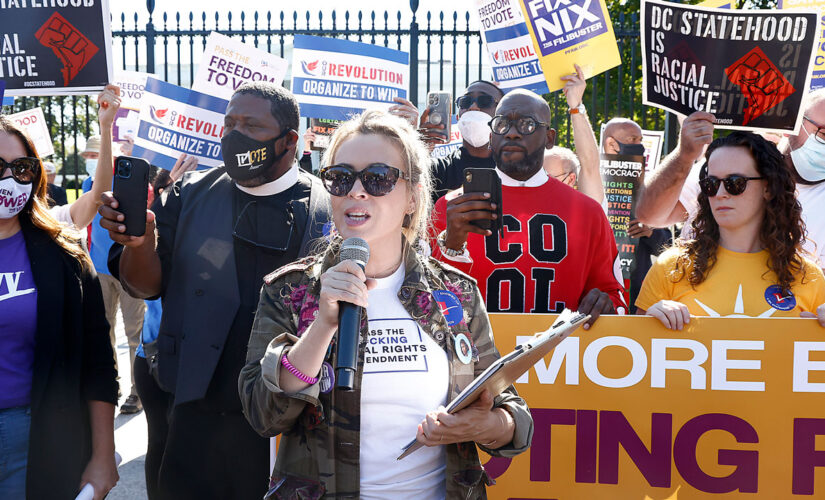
x: 416, y: 159
x: 36, y: 212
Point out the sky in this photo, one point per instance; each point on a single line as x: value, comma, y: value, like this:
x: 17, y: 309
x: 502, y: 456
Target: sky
x: 326, y: 6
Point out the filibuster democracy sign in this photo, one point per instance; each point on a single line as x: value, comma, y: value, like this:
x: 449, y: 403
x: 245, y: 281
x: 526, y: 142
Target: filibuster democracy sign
x: 818, y: 74
x: 751, y: 69
x: 336, y: 79
x: 622, y: 176
x: 55, y: 48
x: 511, y: 51
x: 175, y: 120
x: 727, y: 408
x: 565, y: 32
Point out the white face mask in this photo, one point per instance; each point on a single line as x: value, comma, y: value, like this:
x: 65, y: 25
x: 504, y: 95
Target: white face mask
x: 809, y: 159
x: 91, y: 167
x: 13, y: 197
x: 474, y: 128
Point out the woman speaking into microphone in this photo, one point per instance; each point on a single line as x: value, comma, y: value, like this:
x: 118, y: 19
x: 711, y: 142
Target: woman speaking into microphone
x: 424, y: 337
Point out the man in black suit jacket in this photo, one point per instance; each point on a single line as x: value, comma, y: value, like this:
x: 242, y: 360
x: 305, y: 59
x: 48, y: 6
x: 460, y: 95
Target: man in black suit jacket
x: 219, y: 232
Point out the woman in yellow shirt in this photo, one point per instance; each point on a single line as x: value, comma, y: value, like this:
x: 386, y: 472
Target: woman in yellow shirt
x: 745, y: 259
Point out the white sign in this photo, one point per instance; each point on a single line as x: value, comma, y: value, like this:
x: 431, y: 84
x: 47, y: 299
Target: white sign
x: 228, y: 63
x: 34, y: 123
x: 132, y: 87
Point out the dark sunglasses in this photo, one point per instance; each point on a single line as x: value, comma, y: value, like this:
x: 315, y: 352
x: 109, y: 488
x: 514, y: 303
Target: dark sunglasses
x: 378, y: 179
x: 734, y: 184
x: 23, y: 169
x: 483, y: 100
x: 525, y: 125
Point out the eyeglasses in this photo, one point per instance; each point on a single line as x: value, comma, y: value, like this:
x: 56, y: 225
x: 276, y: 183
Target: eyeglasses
x: 378, y: 179
x: 525, y: 125
x: 252, y: 227
x: 819, y: 135
x: 483, y: 100
x: 734, y: 184
x: 24, y: 169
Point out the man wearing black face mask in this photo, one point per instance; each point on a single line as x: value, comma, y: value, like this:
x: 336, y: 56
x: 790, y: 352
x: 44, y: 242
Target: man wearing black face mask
x: 623, y: 136
x: 219, y: 232
x: 556, y: 250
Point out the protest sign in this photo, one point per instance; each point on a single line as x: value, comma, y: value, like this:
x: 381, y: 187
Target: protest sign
x: 333, y: 78
x: 7, y: 101
x: 718, y: 4
x: 652, y: 140
x: 571, y: 31
x: 2, y: 92
x: 132, y: 87
x: 46, y: 49
x: 726, y: 408
x: 442, y: 150
x: 227, y: 63
x: 751, y: 69
x: 323, y: 128
x: 512, y: 55
x: 818, y: 73
x: 34, y: 123
x: 175, y: 120
x: 622, y: 175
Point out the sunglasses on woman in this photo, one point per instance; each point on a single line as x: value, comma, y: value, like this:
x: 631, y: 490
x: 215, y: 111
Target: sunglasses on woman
x: 483, y: 100
x: 378, y: 179
x: 22, y: 169
x: 734, y: 184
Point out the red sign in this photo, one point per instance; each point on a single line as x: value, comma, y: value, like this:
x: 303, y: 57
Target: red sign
x: 71, y: 46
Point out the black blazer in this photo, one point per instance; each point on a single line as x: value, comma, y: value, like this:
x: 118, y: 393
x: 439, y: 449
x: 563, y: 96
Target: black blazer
x: 73, y: 364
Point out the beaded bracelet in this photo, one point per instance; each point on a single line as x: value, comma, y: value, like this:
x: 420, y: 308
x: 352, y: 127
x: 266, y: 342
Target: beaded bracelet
x: 298, y: 374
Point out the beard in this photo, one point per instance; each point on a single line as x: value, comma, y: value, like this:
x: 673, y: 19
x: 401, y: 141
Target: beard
x: 522, y: 169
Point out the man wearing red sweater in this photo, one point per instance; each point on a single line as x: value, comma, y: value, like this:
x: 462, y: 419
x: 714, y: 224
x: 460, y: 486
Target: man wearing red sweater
x: 557, y: 249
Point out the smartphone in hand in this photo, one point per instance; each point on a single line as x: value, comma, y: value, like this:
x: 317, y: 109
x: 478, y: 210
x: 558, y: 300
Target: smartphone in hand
x: 440, y: 106
x: 485, y: 180
x: 131, y: 192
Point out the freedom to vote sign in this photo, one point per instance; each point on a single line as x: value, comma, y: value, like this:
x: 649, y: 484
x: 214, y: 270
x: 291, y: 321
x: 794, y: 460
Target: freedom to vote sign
x: 336, y: 79
x: 175, y: 120
x: 55, y: 47
x: 228, y: 63
x: 512, y: 55
x: 726, y: 408
x: 751, y: 69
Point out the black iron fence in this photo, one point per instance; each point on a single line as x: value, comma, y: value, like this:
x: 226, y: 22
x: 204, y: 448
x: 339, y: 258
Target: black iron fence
x: 445, y: 54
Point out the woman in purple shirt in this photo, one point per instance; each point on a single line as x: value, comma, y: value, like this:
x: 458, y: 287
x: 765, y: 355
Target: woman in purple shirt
x: 58, y: 386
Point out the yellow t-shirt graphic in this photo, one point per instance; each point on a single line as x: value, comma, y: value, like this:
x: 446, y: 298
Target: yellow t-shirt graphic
x: 739, y: 285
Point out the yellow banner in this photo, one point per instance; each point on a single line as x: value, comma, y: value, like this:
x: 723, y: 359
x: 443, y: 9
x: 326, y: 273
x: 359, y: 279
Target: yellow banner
x: 565, y: 32
x: 727, y: 408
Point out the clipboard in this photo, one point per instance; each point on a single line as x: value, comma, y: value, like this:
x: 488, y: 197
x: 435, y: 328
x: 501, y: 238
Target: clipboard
x: 506, y: 370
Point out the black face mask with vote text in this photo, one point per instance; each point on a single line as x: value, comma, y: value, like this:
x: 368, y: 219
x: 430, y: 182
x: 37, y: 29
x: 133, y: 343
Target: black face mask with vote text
x: 246, y: 158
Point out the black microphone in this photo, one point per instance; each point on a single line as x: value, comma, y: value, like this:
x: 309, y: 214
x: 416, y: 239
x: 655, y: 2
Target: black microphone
x: 349, y: 320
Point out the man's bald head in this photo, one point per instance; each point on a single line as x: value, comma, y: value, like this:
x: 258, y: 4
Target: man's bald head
x: 620, y: 131
x: 527, y: 102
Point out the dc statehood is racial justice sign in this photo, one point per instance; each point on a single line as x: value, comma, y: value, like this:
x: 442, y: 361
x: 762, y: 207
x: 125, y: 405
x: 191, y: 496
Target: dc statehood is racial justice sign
x: 749, y: 68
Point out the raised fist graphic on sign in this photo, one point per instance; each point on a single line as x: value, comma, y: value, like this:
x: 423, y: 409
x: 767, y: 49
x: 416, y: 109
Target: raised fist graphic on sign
x: 70, y: 45
x: 760, y: 81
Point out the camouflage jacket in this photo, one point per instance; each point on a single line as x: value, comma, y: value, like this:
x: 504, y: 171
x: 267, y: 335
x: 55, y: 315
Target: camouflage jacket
x: 318, y: 455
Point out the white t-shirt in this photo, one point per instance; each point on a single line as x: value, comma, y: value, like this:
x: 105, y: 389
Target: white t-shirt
x: 63, y: 214
x: 406, y: 375
x: 811, y: 198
